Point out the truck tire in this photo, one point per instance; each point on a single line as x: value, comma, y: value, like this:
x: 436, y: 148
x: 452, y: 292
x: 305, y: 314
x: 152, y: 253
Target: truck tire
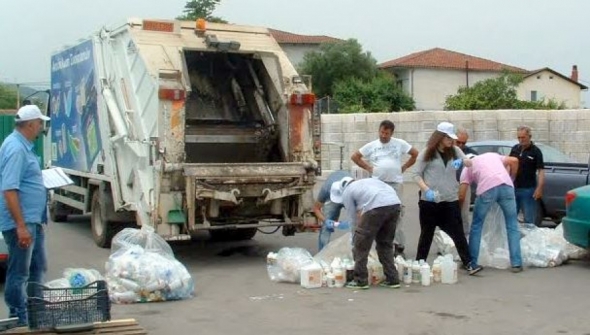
x: 102, y: 230
x: 226, y: 235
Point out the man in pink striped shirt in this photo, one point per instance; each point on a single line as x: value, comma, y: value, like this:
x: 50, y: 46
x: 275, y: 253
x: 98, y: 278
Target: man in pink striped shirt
x: 493, y: 174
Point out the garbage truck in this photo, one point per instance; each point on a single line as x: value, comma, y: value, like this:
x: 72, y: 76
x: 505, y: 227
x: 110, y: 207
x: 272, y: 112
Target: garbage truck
x: 185, y: 127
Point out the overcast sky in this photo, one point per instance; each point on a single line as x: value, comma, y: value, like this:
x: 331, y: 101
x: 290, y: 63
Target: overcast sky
x: 526, y: 34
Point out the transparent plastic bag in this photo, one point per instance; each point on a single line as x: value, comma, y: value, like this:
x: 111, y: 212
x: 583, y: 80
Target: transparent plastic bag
x: 286, y: 264
x: 144, y: 237
x: 541, y: 248
x: 493, y: 250
x: 571, y: 251
x: 78, y: 277
x: 340, y: 247
x: 142, y: 268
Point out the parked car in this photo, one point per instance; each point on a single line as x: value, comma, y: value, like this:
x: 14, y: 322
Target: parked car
x: 562, y: 173
x: 576, y: 222
x: 3, y: 258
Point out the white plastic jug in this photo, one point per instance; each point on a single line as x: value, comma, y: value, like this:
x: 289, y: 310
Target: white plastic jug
x: 436, y: 271
x: 311, y: 276
x: 425, y: 274
x: 407, y: 273
x: 448, y: 271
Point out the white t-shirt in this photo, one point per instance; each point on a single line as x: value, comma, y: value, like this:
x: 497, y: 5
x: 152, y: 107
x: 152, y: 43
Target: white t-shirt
x: 386, y: 158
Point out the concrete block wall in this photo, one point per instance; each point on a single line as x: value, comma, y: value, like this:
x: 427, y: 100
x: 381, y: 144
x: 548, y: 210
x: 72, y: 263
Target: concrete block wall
x: 567, y: 130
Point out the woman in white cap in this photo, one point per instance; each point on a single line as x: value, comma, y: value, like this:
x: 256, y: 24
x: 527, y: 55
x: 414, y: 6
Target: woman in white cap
x: 435, y: 174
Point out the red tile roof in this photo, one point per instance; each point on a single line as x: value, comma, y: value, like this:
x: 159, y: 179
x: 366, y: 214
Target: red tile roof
x: 290, y: 38
x: 446, y: 59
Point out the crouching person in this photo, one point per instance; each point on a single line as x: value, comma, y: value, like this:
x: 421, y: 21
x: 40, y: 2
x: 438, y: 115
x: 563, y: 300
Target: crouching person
x: 378, y: 209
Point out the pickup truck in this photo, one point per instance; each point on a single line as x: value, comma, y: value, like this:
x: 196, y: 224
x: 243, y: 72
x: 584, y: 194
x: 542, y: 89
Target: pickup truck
x: 562, y: 173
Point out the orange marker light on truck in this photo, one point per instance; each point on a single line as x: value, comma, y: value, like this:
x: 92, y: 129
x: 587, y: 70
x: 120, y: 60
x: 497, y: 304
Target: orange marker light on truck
x: 171, y: 94
x: 152, y: 25
x: 302, y: 99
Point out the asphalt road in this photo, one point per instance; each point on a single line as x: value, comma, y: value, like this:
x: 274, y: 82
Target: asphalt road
x: 235, y: 296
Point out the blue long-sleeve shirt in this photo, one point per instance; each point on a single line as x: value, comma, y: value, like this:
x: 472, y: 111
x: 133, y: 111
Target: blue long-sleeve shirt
x: 366, y: 194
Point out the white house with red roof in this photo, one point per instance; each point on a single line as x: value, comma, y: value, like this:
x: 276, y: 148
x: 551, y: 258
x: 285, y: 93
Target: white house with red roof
x: 430, y: 76
x: 296, y: 46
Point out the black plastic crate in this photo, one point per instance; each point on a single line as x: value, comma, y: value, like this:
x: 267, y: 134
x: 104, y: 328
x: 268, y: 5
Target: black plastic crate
x: 49, y: 308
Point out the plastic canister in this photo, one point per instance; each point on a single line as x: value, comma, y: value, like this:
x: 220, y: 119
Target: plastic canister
x: 448, y: 268
x: 331, y: 281
x: 425, y: 274
x: 376, y: 273
x: 436, y: 271
x: 311, y: 275
x: 408, y: 273
x: 349, y: 271
x: 415, y: 272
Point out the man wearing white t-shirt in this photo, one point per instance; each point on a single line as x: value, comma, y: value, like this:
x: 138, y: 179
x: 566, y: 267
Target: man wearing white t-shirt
x: 382, y: 158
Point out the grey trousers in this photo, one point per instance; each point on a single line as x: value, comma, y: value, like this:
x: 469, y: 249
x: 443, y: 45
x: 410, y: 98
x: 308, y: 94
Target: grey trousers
x: 400, y: 236
x: 375, y: 225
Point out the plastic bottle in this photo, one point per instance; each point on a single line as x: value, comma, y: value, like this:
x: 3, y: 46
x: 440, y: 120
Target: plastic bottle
x: 415, y: 272
x: 331, y: 280
x: 408, y: 272
x: 425, y: 274
x: 436, y: 271
x: 349, y: 271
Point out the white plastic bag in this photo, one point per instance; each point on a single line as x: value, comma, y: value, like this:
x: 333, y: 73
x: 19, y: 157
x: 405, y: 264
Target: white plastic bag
x: 571, y: 251
x: 142, y: 268
x: 285, y: 265
x: 541, y: 248
x: 493, y: 250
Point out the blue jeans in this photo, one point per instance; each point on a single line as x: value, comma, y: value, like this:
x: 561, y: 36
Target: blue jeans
x: 526, y: 202
x: 24, y: 266
x: 331, y: 211
x: 504, y: 196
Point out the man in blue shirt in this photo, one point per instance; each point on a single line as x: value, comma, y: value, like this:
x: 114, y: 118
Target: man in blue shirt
x: 22, y: 206
x: 377, y: 207
x: 326, y: 210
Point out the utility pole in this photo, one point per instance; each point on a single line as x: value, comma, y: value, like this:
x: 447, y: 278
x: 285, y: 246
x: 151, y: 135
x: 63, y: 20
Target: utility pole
x: 17, y: 96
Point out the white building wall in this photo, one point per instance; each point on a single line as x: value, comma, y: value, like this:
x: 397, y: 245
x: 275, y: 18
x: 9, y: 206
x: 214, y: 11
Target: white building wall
x: 567, y: 130
x: 432, y: 86
x: 296, y: 52
x: 550, y: 86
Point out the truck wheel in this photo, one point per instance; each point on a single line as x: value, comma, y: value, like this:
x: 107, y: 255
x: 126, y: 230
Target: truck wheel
x: 102, y: 230
x: 233, y: 234
x: 56, y: 212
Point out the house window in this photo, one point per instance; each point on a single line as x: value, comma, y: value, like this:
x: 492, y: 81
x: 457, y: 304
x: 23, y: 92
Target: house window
x: 550, y: 77
x: 533, y: 95
x: 539, y: 77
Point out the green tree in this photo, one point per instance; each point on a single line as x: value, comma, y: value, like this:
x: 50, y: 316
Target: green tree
x: 378, y: 94
x: 335, y: 62
x: 195, y: 9
x: 7, y: 97
x: 496, y: 93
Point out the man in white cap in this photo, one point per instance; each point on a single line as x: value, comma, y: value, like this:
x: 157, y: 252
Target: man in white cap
x: 22, y: 207
x: 378, y: 209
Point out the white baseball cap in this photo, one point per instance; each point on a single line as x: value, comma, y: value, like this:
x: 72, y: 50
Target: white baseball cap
x: 447, y: 128
x: 338, y: 188
x: 30, y: 112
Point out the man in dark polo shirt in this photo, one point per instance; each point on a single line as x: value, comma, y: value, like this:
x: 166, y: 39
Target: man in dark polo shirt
x: 530, y: 178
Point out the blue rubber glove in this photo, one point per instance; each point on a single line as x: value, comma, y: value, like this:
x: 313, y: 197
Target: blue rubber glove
x: 329, y: 225
x: 457, y: 163
x: 429, y: 195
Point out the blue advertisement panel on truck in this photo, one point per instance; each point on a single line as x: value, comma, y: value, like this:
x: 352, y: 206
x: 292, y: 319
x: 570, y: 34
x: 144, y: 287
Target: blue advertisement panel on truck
x: 75, y: 137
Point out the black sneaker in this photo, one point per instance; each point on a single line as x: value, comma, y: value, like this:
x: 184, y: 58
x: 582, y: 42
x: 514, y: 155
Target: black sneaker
x: 357, y: 285
x: 391, y: 284
x: 516, y: 269
x: 473, y: 269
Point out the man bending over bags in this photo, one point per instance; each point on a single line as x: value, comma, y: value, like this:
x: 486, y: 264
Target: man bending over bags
x: 378, y: 208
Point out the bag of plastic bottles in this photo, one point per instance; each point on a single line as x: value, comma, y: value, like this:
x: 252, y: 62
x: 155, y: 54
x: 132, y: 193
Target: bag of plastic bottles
x: 142, y: 268
x: 493, y: 250
x: 540, y: 247
x: 286, y: 264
